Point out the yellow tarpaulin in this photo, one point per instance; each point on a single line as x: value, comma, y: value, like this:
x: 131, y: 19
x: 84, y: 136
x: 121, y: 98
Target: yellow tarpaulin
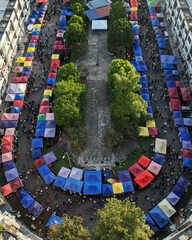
x: 167, y: 208
x: 143, y: 132
x: 31, y: 49
x: 150, y: 123
x: 27, y: 64
x: 118, y: 188
x: 37, y: 26
x: 55, y: 56
x: 161, y: 146
x: 134, y: 9
x: 20, y: 59
x: 47, y: 93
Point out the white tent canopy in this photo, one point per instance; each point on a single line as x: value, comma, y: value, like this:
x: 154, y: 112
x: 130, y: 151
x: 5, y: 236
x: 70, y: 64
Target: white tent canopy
x: 99, y: 25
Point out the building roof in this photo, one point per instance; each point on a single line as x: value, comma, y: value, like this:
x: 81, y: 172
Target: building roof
x: 99, y: 24
x: 3, y: 5
x: 96, y: 4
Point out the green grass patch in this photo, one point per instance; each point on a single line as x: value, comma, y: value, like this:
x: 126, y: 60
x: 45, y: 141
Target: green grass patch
x: 144, y: 144
x: 61, y: 162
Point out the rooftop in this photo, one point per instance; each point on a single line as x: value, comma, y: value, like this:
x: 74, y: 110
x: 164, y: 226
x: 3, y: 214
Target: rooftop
x: 3, y: 5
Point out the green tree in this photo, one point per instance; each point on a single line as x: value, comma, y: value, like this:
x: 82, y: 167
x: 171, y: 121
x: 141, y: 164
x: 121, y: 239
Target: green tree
x: 78, y: 9
x: 117, y: 11
x: 70, y: 97
x: 1, y: 227
x: 121, y: 220
x: 67, y: 70
x: 76, y: 19
x: 113, y: 138
x: 120, y: 37
x: 82, y: 2
x: 75, y: 34
x: 70, y: 229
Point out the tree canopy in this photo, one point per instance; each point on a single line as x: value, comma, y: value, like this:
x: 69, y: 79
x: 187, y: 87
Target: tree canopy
x: 120, y: 36
x: 67, y: 70
x: 75, y: 34
x: 70, y: 229
x: 121, y: 220
x: 76, y: 19
x: 78, y: 9
x: 117, y: 11
x: 82, y: 2
x: 70, y: 97
x: 127, y: 107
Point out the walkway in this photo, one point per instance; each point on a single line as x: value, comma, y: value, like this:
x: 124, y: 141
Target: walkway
x: 97, y: 116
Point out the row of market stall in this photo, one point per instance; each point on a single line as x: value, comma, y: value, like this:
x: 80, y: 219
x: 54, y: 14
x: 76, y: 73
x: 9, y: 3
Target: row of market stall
x: 178, y: 94
x: 15, y: 93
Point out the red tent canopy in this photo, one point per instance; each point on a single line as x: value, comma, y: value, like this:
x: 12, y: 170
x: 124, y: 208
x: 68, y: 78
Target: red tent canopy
x: 7, y: 140
x: 52, y: 75
x: 153, y: 17
x: 44, y: 103
x: 175, y: 104
x: 60, y: 47
x: 173, y: 93
x: 53, y: 70
x: 55, y: 63
x: 5, y: 148
x: 144, y: 178
x: 179, y: 84
x: 50, y: 87
x: 186, y: 97
x: 185, y: 91
x: 18, y: 103
x: 6, y: 189
x: 33, y: 41
x: 60, y: 31
x: 187, y: 153
x: 35, y: 37
x: 58, y: 42
x: 133, y: 17
x: 134, y: 3
x: 153, y: 14
x: 152, y: 131
x: 16, y: 184
x: 23, y: 79
x: 44, y: 109
x: 144, y: 161
x: 136, y: 169
x: 28, y: 59
x: 39, y: 162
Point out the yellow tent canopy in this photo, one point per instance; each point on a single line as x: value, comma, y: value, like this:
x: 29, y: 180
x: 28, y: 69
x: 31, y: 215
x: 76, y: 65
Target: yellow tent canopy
x: 37, y: 26
x: 27, y: 64
x: 134, y: 9
x: 118, y: 188
x: 31, y: 49
x: 150, y: 123
x: 167, y: 208
x: 161, y: 146
x: 45, y: 98
x: 55, y: 56
x: 20, y: 59
x: 143, y: 132
x: 47, y: 93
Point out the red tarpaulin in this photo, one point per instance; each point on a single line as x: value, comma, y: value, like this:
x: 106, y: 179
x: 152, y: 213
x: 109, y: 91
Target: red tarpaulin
x: 175, y: 104
x: 6, y: 189
x: 144, y: 178
x: 185, y: 91
x: 16, y: 184
x: 187, y: 153
x: 5, y: 148
x: 173, y: 93
x: 55, y: 63
x: 136, y: 169
x: 144, y: 161
x: 152, y: 131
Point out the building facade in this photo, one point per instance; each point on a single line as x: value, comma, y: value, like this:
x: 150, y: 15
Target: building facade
x: 179, y: 18
x: 14, y: 15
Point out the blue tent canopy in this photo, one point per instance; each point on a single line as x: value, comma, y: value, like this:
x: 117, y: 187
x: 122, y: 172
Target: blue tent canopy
x: 137, y: 49
x: 49, y: 178
x: 4, y: 123
x: 144, y: 84
x: 73, y: 185
x: 31, y: 44
x: 149, y: 109
x: 92, y: 187
x: 183, y: 182
x: 187, y: 121
x: 144, y: 90
x: 36, y: 153
x: 50, y: 124
x: 26, y: 69
x: 175, y: 72
x: 145, y: 96
x: 25, y: 73
x: 159, y: 216
x: 158, y: 32
x: 59, y: 181
x: 179, y: 121
x: 167, y: 72
x: 136, y: 31
x: 187, y: 162
x: 44, y: 170
x: 128, y: 186
x: 64, y: 12
x: 12, y: 123
x: 35, y: 209
x: 151, y: 9
x: 124, y: 176
x: 149, y: 220
x: 155, y: 22
x: 71, y: 14
x: 187, y: 145
x: 159, y: 36
x: 27, y: 200
x: 21, y: 193
x: 171, y: 84
x: 178, y: 190
x: 138, y: 58
x: 159, y: 158
x: 8, y: 165
x: 11, y: 174
x: 54, y: 219
x: 170, y: 59
x: 92, y: 176
x: 169, y: 77
x: 19, y: 96
x: 51, y: 80
x: 162, y: 52
x: 107, y: 188
x: 163, y: 24
x: 177, y: 114
x: 61, y: 27
x: 62, y: 22
x: 185, y: 137
x: 136, y: 41
x: 183, y: 130
x: 49, y: 133
x: 40, y: 124
x: 168, y: 66
x: 32, y: 21
x: 35, y: 33
x: 139, y: 65
x: 39, y: 132
x: 29, y: 54
x: 161, y: 43
x: 37, y: 143
x: 173, y: 198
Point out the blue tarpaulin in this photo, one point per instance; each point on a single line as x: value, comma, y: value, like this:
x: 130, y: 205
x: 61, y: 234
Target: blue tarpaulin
x: 178, y: 190
x: 73, y: 185
x: 124, y: 176
x: 49, y: 157
x: 173, y: 198
x: 159, y: 158
x: 35, y: 209
x: 159, y: 216
x: 161, y: 43
x: 107, y: 188
x: 187, y: 162
x: 54, y: 219
x: 92, y: 176
x: 37, y: 143
x: 27, y: 201
x: 49, y: 178
x: 145, y: 96
x: 8, y: 165
x: 136, y: 31
x: 11, y: 174
x: 137, y: 50
x: 144, y: 90
x: 128, y: 186
x: 44, y: 170
x: 92, y: 187
x: 59, y: 181
x: 36, y: 153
